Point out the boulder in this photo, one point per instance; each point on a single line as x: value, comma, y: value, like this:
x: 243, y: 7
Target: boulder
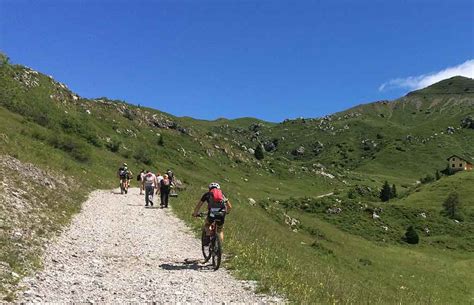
x: 299, y: 151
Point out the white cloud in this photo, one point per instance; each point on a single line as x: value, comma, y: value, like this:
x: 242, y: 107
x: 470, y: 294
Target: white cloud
x: 421, y: 81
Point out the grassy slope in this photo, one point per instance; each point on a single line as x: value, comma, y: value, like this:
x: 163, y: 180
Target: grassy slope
x: 323, y: 261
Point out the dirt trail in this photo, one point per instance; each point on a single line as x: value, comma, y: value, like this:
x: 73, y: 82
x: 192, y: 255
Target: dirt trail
x: 117, y: 251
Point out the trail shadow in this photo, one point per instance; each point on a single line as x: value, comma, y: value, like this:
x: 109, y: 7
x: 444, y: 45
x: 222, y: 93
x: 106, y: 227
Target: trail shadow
x: 116, y: 193
x: 153, y: 207
x: 187, y: 264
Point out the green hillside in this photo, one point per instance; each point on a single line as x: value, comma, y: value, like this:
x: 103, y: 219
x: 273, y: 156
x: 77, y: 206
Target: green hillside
x: 281, y: 233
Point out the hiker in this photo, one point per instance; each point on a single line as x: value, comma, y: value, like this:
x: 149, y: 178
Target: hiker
x: 140, y: 178
x: 170, y: 175
x: 125, y: 175
x: 165, y: 187
x: 159, y: 177
x: 149, y: 184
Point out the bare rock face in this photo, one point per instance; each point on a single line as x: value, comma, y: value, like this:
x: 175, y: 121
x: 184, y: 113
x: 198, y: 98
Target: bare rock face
x: 31, y: 199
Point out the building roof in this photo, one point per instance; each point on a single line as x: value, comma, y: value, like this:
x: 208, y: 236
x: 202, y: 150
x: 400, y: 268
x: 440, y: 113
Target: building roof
x: 462, y: 158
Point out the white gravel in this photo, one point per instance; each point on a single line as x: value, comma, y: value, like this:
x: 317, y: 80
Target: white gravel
x: 115, y: 250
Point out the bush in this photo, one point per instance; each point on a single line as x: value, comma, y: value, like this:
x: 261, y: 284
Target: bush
x: 161, y: 141
x: 259, y: 152
x: 411, y: 236
x: 77, y: 149
x: 143, y: 156
x: 114, y: 145
x: 427, y: 179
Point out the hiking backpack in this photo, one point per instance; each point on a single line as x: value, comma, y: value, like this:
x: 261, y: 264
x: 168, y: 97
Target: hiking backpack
x: 216, y: 199
x: 122, y: 173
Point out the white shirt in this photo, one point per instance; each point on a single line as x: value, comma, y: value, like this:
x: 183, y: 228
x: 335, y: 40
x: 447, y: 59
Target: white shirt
x: 150, y: 179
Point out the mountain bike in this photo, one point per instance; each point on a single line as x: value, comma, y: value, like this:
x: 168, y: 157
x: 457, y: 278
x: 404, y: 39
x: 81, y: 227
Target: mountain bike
x: 123, y: 186
x: 211, y: 245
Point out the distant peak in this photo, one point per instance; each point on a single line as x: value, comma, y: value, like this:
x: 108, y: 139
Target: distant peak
x: 453, y: 85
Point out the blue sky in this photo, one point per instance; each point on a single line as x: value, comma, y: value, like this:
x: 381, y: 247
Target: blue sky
x: 228, y: 58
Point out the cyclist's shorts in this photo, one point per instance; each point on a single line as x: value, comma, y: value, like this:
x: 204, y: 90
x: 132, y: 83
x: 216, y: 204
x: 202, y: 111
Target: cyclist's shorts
x: 219, y: 218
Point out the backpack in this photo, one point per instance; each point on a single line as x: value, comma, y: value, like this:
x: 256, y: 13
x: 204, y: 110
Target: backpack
x: 216, y: 199
x: 139, y: 177
x: 122, y: 173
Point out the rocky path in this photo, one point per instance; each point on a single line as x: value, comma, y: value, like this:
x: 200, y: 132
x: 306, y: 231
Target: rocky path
x: 117, y: 251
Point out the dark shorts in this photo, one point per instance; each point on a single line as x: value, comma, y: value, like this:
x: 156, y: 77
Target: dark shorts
x: 218, y: 217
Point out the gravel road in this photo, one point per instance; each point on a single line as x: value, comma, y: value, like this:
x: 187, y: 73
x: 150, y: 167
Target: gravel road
x: 116, y: 250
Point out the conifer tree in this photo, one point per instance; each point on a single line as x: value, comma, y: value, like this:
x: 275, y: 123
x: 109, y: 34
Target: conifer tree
x: 411, y: 236
x: 452, y: 207
x: 437, y: 175
x: 161, y: 141
x: 385, y: 192
x: 393, y: 192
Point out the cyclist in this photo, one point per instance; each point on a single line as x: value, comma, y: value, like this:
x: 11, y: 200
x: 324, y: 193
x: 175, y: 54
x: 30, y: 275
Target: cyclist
x: 217, y: 207
x: 124, y: 175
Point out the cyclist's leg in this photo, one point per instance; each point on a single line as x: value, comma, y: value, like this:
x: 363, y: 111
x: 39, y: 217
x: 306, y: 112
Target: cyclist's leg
x: 207, y: 226
x: 220, y: 228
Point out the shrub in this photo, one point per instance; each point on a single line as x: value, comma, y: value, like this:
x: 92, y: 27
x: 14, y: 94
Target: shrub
x: 114, y: 145
x: 161, y: 141
x: 143, y: 156
x: 259, y: 152
x: 77, y: 149
x: 427, y: 179
x: 411, y: 236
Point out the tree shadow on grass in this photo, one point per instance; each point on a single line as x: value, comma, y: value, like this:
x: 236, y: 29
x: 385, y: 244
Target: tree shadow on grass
x: 187, y: 264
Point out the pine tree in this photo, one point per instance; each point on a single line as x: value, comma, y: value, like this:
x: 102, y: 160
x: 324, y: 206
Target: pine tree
x: 393, y: 192
x: 452, y: 207
x: 411, y: 236
x: 385, y: 192
x: 259, y: 152
x: 437, y: 175
x: 160, y: 141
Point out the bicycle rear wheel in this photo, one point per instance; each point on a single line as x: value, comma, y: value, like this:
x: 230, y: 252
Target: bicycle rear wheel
x: 206, y: 249
x: 216, y: 253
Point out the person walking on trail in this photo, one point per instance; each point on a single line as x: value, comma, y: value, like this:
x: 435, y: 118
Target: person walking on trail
x: 165, y: 187
x: 124, y: 175
x: 217, y: 207
x: 140, y: 178
x: 170, y: 174
x: 159, y: 177
x: 149, y: 184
